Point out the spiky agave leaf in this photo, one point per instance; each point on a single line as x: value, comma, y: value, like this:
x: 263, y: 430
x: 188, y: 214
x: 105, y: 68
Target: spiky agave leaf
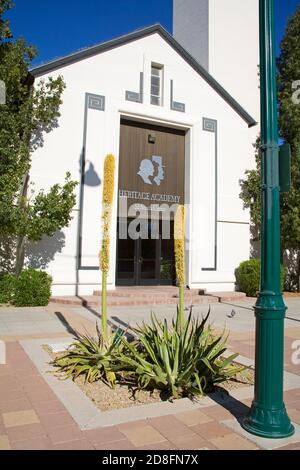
x: 91, y: 357
x: 183, y: 360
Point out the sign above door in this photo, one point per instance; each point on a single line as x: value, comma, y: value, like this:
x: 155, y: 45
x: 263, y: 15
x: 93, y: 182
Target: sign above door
x: 151, y: 171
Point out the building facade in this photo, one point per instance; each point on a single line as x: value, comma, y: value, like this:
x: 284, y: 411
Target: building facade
x: 179, y: 137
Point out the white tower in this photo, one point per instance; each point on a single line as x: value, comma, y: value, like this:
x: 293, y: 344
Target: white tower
x: 223, y: 35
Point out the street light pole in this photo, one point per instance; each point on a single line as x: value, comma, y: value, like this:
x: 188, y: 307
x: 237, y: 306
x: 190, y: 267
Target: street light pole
x: 268, y: 417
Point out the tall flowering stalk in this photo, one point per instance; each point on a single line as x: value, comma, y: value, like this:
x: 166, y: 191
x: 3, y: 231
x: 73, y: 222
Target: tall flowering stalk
x: 179, y: 257
x: 107, y: 202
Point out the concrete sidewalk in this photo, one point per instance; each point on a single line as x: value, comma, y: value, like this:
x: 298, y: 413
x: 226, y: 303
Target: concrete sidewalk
x: 32, y: 416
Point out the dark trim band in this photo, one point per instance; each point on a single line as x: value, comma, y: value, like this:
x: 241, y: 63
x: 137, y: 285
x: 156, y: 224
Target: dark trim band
x: 211, y: 125
x: 95, y: 102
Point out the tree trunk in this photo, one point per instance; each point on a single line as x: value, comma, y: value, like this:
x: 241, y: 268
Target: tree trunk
x: 20, y: 255
x: 298, y: 272
x: 20, y: 250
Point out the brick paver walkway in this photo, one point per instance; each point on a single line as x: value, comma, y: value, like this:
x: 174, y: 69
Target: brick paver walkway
x: 32, y: 417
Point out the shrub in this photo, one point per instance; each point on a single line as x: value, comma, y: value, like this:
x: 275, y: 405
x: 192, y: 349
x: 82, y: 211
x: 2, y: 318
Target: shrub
x: 7, y: 288
x: 32, y: 288
x: 181, y: 361
x: 94, y: 358
x: 248, y: 277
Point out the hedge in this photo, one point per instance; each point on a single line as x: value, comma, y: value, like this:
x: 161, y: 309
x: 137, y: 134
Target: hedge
x: 248, y: 277
x: 31, y: 288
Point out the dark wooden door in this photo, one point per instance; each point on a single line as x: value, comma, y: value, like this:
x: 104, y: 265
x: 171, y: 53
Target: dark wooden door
x: 151, y: 172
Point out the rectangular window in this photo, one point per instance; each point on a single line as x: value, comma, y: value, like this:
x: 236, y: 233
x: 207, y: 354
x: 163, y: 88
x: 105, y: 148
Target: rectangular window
x: 156, y: 84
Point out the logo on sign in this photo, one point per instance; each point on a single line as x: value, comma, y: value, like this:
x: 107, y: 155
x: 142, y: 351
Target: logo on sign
x: 152, y: 169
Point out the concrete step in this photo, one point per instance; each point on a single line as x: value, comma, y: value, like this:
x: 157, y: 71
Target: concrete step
x: 150, y: 295
x: 228, y: 296
x: 170, y: 292
x: 95, y: 301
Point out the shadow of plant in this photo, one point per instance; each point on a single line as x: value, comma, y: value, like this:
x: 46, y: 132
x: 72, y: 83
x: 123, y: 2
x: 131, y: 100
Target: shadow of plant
x: 39, y: 254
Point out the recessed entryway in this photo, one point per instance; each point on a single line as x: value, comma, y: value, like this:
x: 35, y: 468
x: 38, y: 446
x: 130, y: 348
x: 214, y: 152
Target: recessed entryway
x: 151, y: 185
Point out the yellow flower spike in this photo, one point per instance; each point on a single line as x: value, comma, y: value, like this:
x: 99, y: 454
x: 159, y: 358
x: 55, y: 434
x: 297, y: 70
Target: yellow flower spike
x: 109, y: 179
x: 179, y: 244
x: 179, y: 257
x: 107, y: 202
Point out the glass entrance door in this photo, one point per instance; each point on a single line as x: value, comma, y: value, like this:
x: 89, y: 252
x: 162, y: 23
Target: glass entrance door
x: 148, y: 259
x: 167, y: 273
x: 145, y: 261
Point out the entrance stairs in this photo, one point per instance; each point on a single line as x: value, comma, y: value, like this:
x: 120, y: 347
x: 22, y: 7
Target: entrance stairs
x: 154, y: 295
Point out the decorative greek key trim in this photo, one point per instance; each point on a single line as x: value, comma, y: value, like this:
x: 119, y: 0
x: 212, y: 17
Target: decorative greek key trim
x: 95, y: 102
x: 209, y: 125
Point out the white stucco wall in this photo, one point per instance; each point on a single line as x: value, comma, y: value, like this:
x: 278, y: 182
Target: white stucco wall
x: 111, y: 74
x: 234, y: 49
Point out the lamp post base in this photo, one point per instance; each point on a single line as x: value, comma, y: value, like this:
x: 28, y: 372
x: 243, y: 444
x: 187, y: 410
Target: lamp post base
x: 272, y: 424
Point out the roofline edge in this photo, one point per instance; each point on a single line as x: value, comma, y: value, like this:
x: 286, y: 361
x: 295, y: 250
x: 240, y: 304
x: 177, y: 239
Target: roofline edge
x: 138, y: 34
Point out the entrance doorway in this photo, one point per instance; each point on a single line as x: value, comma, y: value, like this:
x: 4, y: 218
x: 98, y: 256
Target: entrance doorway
x: 151, y: 185
x: 145, y: 261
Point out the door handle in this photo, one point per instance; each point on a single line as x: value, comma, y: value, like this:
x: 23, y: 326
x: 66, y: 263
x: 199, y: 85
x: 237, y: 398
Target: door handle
x: 141, y: 259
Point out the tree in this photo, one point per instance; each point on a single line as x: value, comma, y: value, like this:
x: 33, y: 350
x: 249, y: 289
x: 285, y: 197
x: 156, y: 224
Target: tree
x: 289, y: 128
x: 251, y: 189
x: 289, y: 123
x: 29, y: 112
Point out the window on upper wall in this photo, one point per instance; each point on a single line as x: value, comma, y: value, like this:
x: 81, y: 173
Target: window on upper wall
x: 156, y: 84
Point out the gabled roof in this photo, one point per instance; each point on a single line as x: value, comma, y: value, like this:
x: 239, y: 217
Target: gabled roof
x: 157, y: 28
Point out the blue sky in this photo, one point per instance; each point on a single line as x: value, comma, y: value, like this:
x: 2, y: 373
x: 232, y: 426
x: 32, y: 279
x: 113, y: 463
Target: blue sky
x: 58, y: 27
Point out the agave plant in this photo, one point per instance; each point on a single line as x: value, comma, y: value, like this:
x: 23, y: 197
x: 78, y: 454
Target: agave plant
x: 95, y: 358
x: 184, y: 360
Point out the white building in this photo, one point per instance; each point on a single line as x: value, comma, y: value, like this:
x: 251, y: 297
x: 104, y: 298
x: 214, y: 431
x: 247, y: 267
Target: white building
x: 180, y: 132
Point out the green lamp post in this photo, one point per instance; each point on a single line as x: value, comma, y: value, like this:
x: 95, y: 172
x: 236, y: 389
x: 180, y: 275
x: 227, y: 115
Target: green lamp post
x: 268, y: 416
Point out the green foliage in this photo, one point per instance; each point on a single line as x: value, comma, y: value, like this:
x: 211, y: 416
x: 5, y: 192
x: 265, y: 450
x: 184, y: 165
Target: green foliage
x: 248, y: 277
x: 5, y: 32
x: 7, y: 288
x: 167, y: 270
x: 288, y: 66
x: 94, y: 358
x: 29, y: 113
x: 32, y: 289
x: 250, y: 188
x: 181, y: 361
x: 289, y: 123
x: 50, y: 211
